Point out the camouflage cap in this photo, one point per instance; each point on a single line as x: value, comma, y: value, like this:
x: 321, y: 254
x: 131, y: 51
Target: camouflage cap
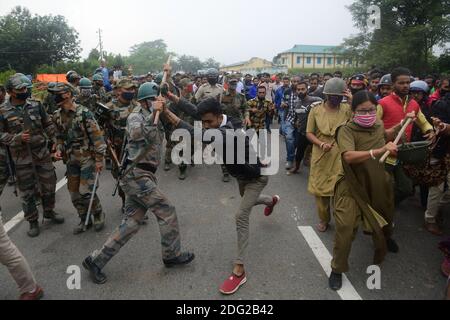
x: 17, y: 81
x: 125, y: 84
x: 61, y: 87
x: 232, y: 78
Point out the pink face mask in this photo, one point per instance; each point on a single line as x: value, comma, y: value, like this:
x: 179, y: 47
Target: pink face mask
x: 365, y: 121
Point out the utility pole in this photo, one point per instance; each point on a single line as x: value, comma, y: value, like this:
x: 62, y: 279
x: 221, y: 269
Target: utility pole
x: 100, y: 43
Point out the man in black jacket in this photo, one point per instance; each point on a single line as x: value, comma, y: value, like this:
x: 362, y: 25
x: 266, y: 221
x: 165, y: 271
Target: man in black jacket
x: 251, y: 182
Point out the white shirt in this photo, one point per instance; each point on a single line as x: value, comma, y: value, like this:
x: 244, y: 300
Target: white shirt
x: 240, y: 87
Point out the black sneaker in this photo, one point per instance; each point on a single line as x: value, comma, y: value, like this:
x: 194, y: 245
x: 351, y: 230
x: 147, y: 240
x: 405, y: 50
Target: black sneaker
x: 182, y: 259
x: 392, y: 246
x: 95, y: 272
x: 335, y: 281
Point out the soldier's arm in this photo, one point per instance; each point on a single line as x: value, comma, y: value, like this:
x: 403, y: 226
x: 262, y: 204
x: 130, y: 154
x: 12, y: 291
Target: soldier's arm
x: 95, y: 136
x: 6, y: 138
x: 244, y: 109
x: 47, y: 123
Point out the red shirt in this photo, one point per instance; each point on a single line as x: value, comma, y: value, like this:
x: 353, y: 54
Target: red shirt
x: 395, y: 110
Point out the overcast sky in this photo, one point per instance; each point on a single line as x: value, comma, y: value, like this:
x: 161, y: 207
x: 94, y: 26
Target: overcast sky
x: 229, y: 30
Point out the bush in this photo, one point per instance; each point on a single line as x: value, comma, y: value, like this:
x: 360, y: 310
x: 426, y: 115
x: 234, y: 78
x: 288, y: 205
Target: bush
x: 4, y: 76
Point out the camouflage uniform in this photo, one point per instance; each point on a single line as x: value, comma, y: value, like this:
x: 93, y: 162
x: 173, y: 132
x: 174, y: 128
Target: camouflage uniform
x: 101, y: 95
x: 235, y: 107
x: 4, y: 171
x: 116, y: 131
x: 143, y: 194
x: 87, y: 101
x: 49, y: 104
x: 258, y: 118
x: 81, y: 141
x: 42, y: 130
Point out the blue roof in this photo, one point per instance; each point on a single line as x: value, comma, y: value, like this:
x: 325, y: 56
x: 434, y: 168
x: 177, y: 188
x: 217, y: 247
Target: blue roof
x: 301, y: 48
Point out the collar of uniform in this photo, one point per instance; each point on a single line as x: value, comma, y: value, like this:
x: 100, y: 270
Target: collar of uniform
x: 224, y: 121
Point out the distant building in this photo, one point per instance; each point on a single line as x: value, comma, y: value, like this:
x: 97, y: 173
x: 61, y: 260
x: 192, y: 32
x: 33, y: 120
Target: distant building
x: 313, y: 57
x: 254, y: 66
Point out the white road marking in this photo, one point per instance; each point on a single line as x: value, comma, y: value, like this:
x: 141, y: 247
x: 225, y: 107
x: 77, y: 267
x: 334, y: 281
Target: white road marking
x: 347, y: 292
x: 20, y: 216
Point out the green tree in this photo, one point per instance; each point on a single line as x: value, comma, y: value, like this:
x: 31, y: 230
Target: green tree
x: 187, y: 63
x: 211, y: 63
x: 409, y: 32
x: 148, y: 56
x: 27, y: 41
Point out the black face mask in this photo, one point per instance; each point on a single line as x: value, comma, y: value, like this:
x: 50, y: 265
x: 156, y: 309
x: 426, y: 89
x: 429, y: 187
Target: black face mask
x: 128, y: 96
x: 212, y: 81
x: 59, y: 98
x: 22, y: 96
x: 355, y: 91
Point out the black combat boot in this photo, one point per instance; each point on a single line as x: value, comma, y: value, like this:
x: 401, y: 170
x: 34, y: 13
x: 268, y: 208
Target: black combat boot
x: 95, y: 272
x: 54, y: 217
x: 335, y: 281
x: 182, y: 174
x: 34, y: 229
x: 99, y: 222
x: 182, y: 259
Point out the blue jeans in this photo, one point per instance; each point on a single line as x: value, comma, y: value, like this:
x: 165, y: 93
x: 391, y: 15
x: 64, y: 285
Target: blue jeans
x: 282, y: 115
x: 291, y: 137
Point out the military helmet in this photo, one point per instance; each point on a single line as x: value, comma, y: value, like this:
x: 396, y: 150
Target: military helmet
x: 97, y: 77
x: 212, y: 73
x: 335, y: 87
x: 27, y: 80
x: 85, y: 83
x: 148, y: 90
x: 419, y: 86
x: 72, y: 75
x: 159, y: 78
x: 17, y: 81
x: 386, y: 80
x: 61, y: 87
x: 51, y: 85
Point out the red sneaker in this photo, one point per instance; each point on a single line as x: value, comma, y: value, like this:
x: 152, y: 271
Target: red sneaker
x: 232, y: 284
x: 269, y: 209
x: 36, y: 295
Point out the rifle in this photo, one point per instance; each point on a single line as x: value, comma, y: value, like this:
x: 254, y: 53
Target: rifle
x: 122, y: 166
x: 164, y: 80
x: 11, y: 170
x: 27, y: 124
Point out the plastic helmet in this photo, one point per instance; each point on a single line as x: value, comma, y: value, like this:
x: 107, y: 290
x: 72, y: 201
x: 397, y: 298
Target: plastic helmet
x: 51, y: 85
x: 97, y: 77
x: 419, y: 86
x: 159, y: 78
x: 148, y: 90
x: 72, y: 75
x: 212, y: 73
x: 335, y: 87
x: 85, y: 83
x: 385, y: 80
x: 61, y: 87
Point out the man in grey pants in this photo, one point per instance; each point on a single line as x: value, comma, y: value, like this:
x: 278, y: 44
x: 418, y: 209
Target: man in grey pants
x: 18, y: 266
x: 251, y: 181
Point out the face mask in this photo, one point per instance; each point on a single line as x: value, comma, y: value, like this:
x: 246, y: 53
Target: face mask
x: 212, y: 81
x: 355, y: 91
x: 233, y: 86
x: 365, y: 121
x: 128, y: 96
x: 22, y: 96
x: 59, y: 98
x: 335, y: 101
x: 86, y: 92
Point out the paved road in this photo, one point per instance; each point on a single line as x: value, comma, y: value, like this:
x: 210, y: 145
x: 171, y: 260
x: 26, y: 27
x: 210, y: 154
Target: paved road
x: 281, y: 263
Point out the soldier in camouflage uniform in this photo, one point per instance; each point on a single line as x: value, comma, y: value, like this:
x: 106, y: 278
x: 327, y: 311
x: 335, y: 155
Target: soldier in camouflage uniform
x: 140, y: 184
x: 258, y: 109
x: 235, y: 105
x: 49, y: 100
x: 99, y: 91
x: 27, y: 129
x: 120, y: 109
x: 74, y: 79
x: 86, y: 98
x: 81, y: 144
